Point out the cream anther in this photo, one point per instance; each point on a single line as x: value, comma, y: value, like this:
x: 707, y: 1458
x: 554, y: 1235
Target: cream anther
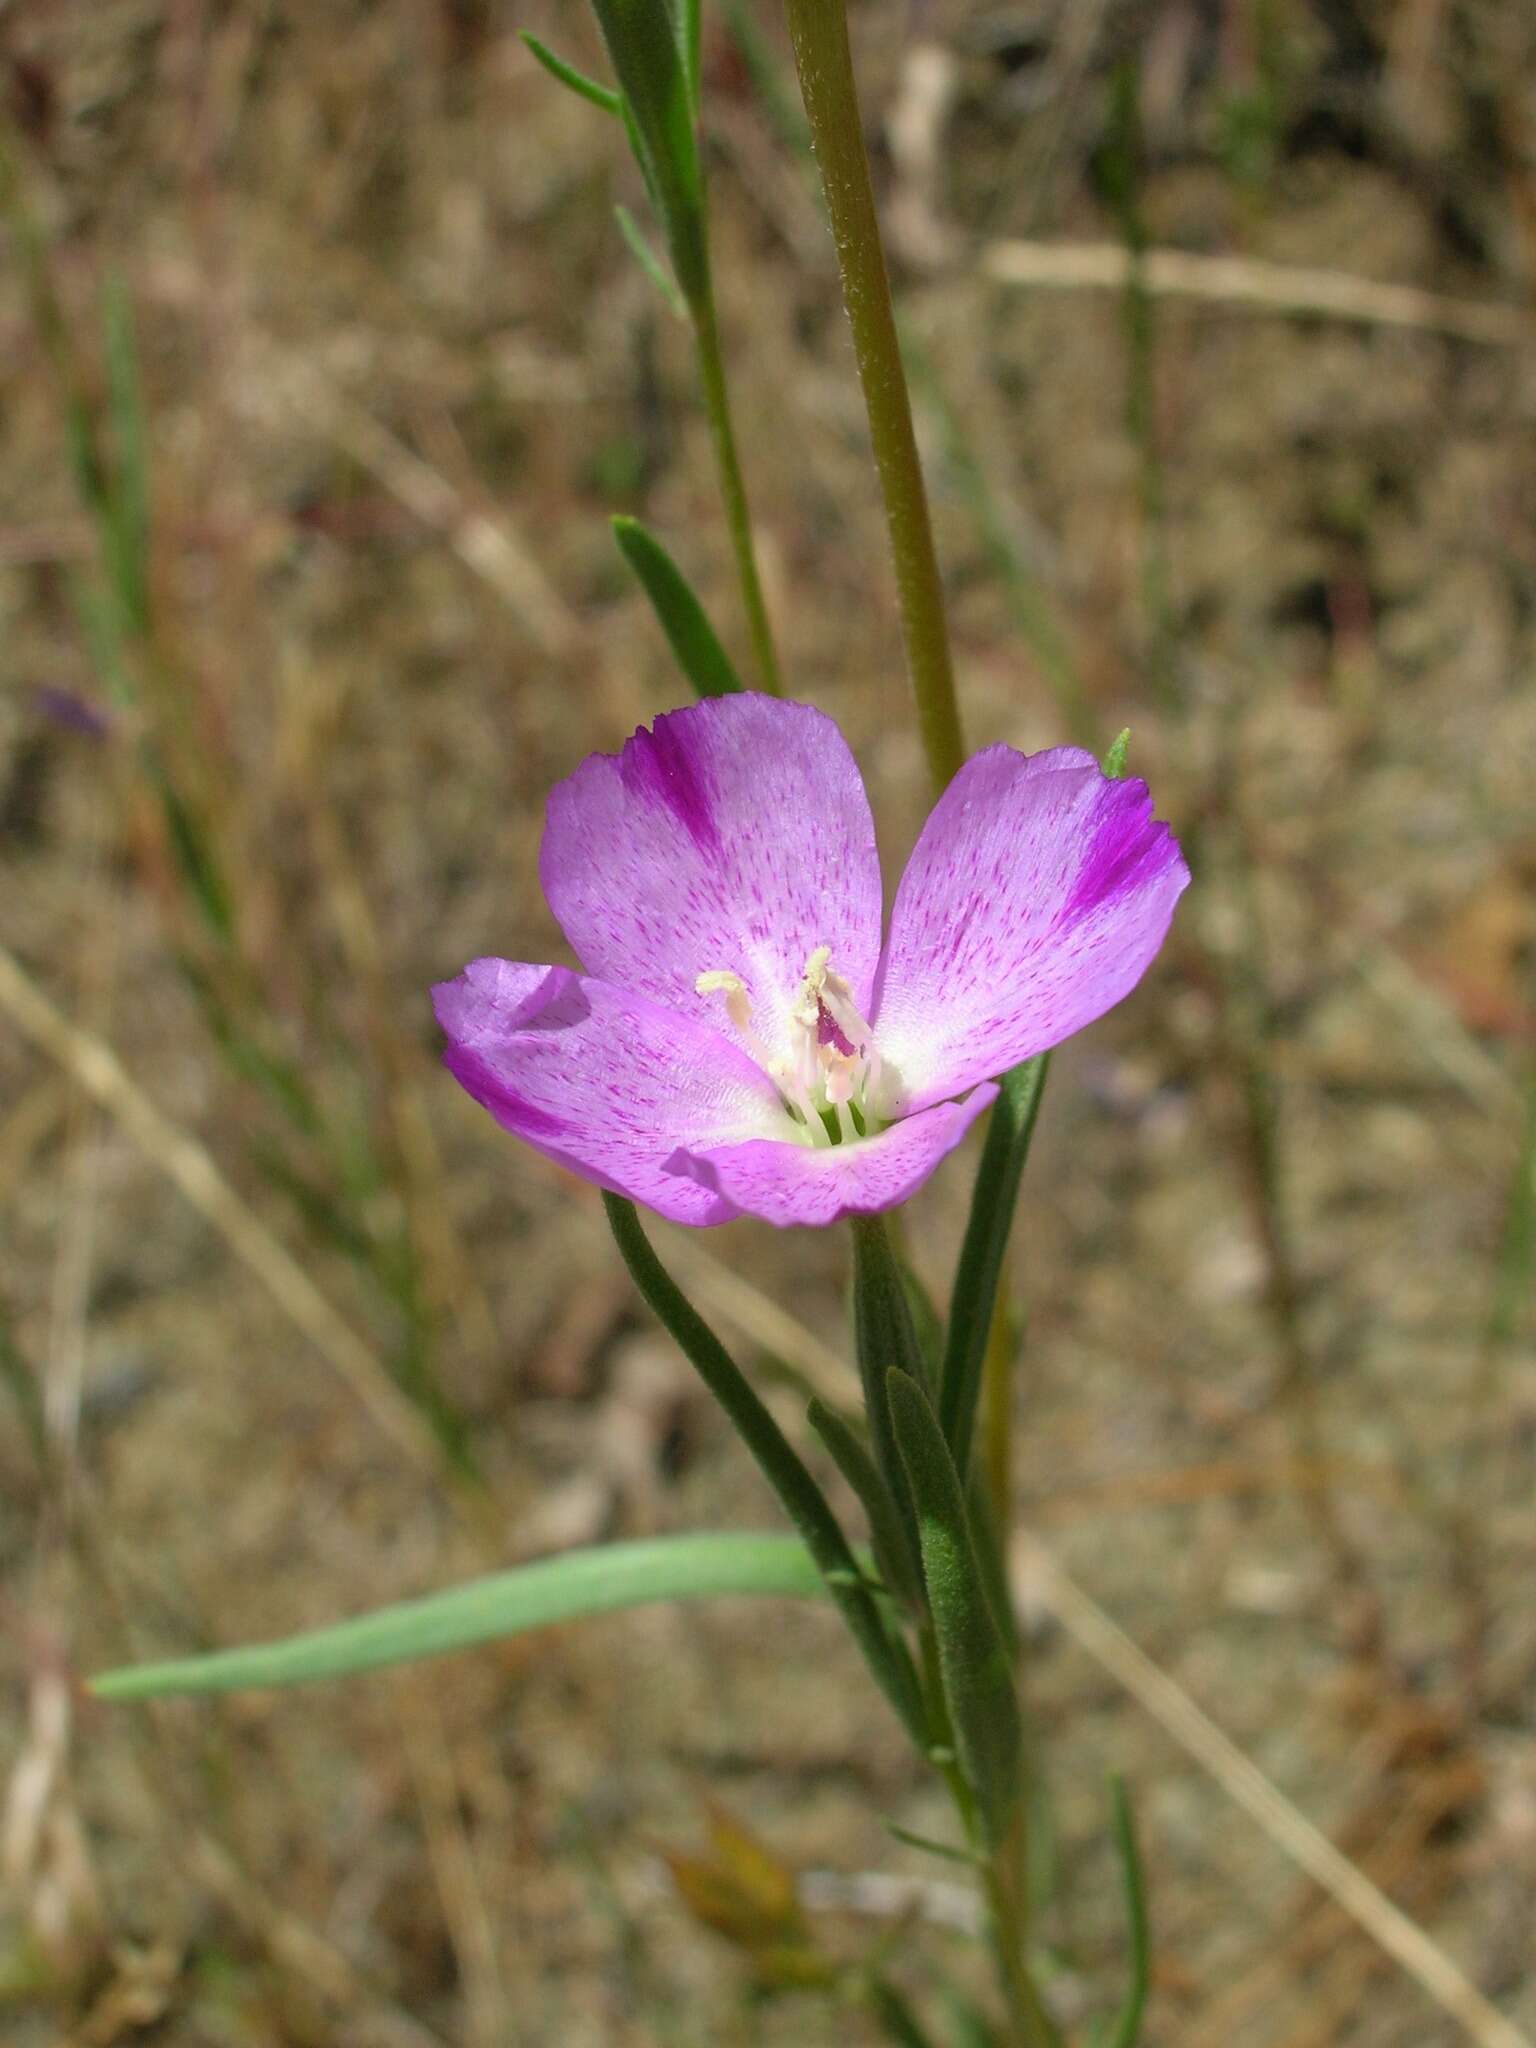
x: 827, y: 1066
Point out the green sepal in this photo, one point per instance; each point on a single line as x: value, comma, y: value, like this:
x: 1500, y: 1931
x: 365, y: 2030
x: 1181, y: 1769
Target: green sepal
x: 1114, y: 760
x: 682, y: 618
x: 585, y: 88
x: 578, y: 1583
x: 975, y: 1669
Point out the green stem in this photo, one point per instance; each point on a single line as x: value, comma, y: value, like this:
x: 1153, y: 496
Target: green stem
x: 733, y: 490
x: 1029, y: 2020
x: 819, y: 31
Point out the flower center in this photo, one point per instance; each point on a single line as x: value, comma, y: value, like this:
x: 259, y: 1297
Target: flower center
x: 828, y: 1075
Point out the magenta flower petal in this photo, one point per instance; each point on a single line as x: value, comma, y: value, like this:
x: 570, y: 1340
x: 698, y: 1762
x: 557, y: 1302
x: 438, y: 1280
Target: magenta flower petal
x: 788, y: 1184
x: 606, y: 1082
x: 1035, y: 899
x: 733, y: 837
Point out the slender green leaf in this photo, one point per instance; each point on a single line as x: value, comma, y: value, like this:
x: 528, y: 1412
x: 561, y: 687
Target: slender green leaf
x: 585, y: 88
x: 649, y: 261
x: 1127, y: 2028
x: 974, y: 1665
x: 1009, y: 1132
x: 895, y: 1555
x: 885, y: 1338
x: 699, y: 654
x: 801, y: 1498
x: 643, y: 45
x: 690, y: 43
x: 949, y: 1851
x: 581, y: 1582
x: 926, y: 1321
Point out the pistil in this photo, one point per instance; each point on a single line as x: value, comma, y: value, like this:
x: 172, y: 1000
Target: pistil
x: 829, y: 1068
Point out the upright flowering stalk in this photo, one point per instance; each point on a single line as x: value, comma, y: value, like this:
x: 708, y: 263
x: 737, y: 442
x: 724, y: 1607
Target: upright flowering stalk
x: 744, y: 1041
x: 738, y: 1040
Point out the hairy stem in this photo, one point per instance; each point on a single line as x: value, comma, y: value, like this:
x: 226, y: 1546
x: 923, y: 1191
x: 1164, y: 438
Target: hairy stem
x: 819, y: 31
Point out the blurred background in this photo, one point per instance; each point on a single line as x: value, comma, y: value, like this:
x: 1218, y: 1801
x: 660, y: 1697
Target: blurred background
x: 325, y: 363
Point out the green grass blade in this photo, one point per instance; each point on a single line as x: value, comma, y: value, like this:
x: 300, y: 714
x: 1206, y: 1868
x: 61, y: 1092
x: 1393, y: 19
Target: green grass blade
x: 127, y: 535
x: 600, y: 1580
x: 781, y: 1465
x: 585, y: 88
x: 682, y: 618
x: 975, y: 1668
x: 1010, y: 1130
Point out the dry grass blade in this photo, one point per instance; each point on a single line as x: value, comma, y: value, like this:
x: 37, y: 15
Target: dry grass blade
x: 1172, y: 1708
x: 440, y: 1796
x: 757, y: 1317
x: 485, y: 543
x: 183, y: 1160
x: 1265, y: 287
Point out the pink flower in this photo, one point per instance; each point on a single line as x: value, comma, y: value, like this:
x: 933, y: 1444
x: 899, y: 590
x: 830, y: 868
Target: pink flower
x: 741, y: 1043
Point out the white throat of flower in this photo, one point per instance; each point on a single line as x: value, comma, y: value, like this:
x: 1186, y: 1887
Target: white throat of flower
x: 829, y: 1072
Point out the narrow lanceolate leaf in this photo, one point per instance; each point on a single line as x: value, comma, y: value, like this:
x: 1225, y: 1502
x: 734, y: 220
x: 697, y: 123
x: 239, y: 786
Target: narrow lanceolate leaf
x: 1009, y: 1132
x: 587, y: 88
x: 692, y: 638
x: 885, y: 1337
x: 565, y: 1588
x: 781, y: 1465
x: 650, y: 262
x: 895, y: 1555
x: 646, y: 50
x: 1126, y: 2031
x: 974, y: 1665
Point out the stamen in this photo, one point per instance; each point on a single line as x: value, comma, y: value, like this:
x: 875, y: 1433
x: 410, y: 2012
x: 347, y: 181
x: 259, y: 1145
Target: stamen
x: 720, y: 982
x: 829, y: 1068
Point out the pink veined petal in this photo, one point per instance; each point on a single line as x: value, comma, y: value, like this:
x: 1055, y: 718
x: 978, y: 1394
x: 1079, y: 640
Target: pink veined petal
x: 601, y: 1080
x: 789, y: 1183
x: 1036, y: 897
x: 734, y: 836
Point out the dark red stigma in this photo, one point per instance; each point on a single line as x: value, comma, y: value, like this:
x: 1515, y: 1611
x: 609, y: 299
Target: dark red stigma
x: 829, y: 1032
